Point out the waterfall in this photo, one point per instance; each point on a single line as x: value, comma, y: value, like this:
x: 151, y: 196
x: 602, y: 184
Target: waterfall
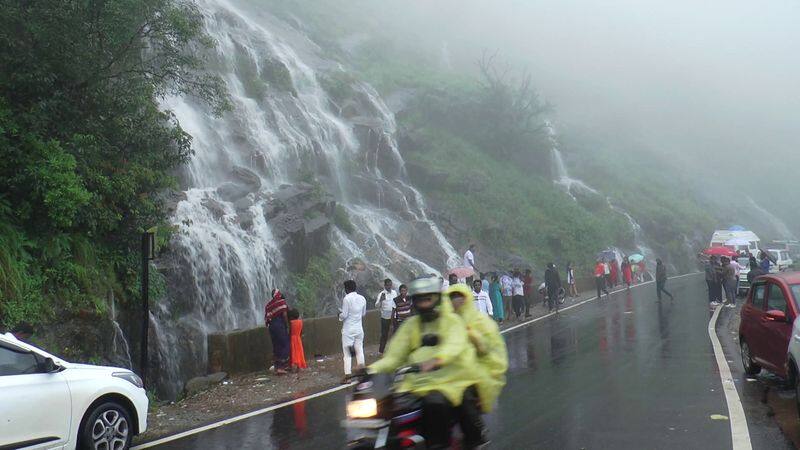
x: 779, y: 225
x: 119, y: 344
x: 227, y: 251
x: 572, y: 186
x: 568, y: 184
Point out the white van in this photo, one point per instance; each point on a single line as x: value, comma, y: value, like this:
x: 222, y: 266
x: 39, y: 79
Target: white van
x: 720, y: 237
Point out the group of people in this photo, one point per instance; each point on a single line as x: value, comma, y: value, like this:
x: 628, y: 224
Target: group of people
x: 285, y: 330
x: 607, y: 274
x: 723, y: 275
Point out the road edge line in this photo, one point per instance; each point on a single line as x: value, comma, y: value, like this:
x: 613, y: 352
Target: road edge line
x: 221, y: 423
x: 740, y: 433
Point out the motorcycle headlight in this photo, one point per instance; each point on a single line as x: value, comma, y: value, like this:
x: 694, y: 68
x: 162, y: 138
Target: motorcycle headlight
x: 130, y: 377
x: 362, y: 409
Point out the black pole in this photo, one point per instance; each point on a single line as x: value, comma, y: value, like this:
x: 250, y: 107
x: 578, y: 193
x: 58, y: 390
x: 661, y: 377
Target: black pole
x: 146, y: 248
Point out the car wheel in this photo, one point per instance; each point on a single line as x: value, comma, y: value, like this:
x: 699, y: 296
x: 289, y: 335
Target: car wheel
x: 106, y: 427
x: 750, y: 367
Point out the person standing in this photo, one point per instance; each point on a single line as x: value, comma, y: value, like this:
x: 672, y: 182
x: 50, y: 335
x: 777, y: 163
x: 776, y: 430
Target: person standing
x: 661, y: 279
x: 755, y: 271
x: 482, y: 300
x: 600, y: 278
x: 385, y: 305
x: 711, y: 280
x: 765, y: 262
x: 614, y: 272
x: 719, y: 287
x: 276, y: 319
x: 641, y: 270
x: 496, y: 295
x: 354, y: 308
x: 402, y: 308
x: 469, y: 258
x: 737, y: 268
x: 627, y: 274
x: 507, y: 285
x: 298, y: 359
x: 527, y: 291
x: 573, y: 287
x: 607, y: 273
x: 518, y: 294
x: 552, y: 283
x: 729, y: 282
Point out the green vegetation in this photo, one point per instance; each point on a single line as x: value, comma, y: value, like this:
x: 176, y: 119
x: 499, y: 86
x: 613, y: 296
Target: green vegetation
x: 341, y: 219
x: 311, y: 285
x: 86, y: 148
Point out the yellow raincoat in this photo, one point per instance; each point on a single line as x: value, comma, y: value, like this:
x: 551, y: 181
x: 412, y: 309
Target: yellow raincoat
x: 489, y: 345
x: 457, y: 356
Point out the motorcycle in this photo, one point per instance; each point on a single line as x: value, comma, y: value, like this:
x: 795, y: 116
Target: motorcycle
x: 380, y: 418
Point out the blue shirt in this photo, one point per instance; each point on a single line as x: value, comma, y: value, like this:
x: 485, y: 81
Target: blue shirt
x: 765, y: 263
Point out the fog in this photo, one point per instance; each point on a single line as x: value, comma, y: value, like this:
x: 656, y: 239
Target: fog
x: 713, y: 85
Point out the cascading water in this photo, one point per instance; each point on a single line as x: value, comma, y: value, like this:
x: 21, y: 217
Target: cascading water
x: 774, y: 221
x: 226, y: 253
x: 573, y: 186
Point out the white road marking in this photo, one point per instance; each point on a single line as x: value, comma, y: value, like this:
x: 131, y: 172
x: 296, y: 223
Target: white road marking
x: 740, y: 434
x: 235, y: 419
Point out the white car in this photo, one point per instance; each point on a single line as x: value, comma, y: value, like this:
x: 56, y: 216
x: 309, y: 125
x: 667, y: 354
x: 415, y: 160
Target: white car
x: 48, y: 403
x: 781, y: 258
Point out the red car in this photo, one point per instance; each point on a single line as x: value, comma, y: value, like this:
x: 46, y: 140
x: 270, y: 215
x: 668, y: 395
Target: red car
x: 766, y: 326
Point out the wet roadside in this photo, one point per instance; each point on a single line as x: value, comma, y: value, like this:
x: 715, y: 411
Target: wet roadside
x: 242, y: 394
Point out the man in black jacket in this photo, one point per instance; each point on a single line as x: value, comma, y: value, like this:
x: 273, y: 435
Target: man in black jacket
x: 552, y: 282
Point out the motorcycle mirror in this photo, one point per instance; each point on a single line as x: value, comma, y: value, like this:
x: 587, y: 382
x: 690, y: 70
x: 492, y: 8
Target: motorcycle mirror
x: 430, y: 340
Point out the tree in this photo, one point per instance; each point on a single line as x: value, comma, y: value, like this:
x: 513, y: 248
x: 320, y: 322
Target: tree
x: 86, y: 146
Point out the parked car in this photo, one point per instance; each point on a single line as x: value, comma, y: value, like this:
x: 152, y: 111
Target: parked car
x: 766, y: 326
x: 47, y: 403
x: 781, y: 260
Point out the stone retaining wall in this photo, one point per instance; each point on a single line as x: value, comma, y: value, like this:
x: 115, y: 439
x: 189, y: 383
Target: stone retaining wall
x: 245, y: 351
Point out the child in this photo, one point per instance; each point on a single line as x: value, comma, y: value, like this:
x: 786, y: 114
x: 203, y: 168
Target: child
x: 298, y: 359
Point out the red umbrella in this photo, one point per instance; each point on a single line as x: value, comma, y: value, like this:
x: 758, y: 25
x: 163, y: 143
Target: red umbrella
x: 720, y: 251
x: 462, y: 272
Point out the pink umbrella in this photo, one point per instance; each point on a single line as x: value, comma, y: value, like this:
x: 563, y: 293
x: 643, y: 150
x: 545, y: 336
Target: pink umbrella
x: 462, y: 272
x: 720, y: 251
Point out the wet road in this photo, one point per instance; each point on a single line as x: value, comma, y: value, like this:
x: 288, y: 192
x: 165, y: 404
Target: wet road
x: 624, y: 373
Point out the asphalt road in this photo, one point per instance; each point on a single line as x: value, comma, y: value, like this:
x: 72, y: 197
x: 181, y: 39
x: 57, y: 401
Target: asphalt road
x: 625, y: 373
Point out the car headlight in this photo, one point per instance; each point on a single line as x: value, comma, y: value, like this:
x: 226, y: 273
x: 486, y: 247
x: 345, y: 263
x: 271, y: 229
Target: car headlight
x: 130, y: 377
x: 362, y: 409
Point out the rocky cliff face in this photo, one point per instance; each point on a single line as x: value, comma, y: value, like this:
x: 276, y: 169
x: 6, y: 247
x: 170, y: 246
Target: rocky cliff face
x: 262, y: 194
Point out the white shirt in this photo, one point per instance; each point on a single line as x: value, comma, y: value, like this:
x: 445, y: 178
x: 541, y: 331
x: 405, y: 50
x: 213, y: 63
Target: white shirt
x: 354, y: 307
x: 506, y: 284
x: 483, y: 303
x: 607, y: 268
x: 736, y: 267
x: 387, y: 305
x: 518, y: 287
x: 469, y: 259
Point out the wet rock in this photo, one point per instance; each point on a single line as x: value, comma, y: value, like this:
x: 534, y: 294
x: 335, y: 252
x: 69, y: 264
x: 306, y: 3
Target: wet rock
x: 246, y: 177
x: 231, y: 192
x: 200, y: 384
x: 243, y: 204
x: 171, y: 200
x: 245, y: 219
x: 213, y: 206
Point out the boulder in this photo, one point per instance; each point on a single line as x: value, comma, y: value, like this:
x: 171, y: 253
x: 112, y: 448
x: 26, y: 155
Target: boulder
x: 246, y: 177
x: 230, y: 192
x: 200, y: 384
x: 245, y: 219
x: 243, y: 204
x: 213, y: 206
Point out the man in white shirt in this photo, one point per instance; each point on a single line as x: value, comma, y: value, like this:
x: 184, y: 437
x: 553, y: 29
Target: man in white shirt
x: 506, y: 289
x: 518, y: 293
x: 385, y: 305
x: 469, y: 258
x: 482, y: 300
x: 354, y: 308
x: 738, y: 270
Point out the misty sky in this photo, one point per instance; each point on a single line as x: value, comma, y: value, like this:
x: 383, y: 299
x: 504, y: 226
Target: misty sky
x: 716, y: 81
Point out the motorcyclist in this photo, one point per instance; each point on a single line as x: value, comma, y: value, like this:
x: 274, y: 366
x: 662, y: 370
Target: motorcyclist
x: 436, y: 340
x: 492, y: 355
